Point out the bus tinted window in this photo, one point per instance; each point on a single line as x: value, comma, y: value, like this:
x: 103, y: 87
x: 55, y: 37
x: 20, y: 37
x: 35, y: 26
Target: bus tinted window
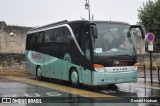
x: 30, y: 41
x: 39, y: 40
x: 39, y: 37
x: 48, y: 38
x: 58, y: 35
x: 67, y: 36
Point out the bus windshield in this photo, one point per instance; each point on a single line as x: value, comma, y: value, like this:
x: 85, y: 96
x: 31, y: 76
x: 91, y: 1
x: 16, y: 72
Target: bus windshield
x: 114, y: 40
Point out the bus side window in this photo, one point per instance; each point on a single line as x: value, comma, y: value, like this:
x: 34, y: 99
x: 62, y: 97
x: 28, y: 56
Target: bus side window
x: 87, y: 49
x: 86, y: 45
x: 67, y: 37
x: 48, y: 39
x: 31, y: 42
x: 58, y: 37
x: 39, y: 40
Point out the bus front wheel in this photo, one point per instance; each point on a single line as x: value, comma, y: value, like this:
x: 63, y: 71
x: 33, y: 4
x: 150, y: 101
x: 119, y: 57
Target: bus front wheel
x: 74, y: 78
x: 39, y: 73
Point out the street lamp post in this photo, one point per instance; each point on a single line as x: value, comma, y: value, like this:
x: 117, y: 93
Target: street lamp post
x: 87, y: 7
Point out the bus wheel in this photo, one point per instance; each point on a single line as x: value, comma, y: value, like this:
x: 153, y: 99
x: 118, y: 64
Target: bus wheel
x: 39, y: 73
x: 112, y: 87
x: 74, y: 78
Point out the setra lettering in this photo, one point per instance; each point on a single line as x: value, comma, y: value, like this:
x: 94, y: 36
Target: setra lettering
x: 120, y: 64
x: 37, y: 56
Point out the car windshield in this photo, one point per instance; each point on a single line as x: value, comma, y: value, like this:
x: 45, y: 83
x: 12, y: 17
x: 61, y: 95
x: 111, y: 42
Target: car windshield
x: 113, y: 40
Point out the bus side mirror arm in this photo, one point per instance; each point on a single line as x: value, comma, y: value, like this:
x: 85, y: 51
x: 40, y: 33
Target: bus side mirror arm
x: 140, y: 28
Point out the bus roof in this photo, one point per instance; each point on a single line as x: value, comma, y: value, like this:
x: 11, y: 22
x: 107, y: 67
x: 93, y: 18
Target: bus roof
x: 76, y: 21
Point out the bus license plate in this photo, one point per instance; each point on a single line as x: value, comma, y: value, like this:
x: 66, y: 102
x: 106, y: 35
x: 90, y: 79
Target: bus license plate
x: 119, y: 79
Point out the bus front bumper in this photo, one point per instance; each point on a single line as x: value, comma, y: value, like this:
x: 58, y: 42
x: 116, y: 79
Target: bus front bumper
x: 107, y: 78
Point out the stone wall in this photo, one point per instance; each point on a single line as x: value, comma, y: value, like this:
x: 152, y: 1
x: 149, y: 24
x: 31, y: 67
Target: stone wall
x: 11, y: 58
x: 12, y: 38
x: 144, y: 59
x: 12, y: 64
x: 140, y: 44
x: 2, y: 36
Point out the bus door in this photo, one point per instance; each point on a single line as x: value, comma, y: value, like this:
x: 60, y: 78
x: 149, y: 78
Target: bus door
x: 86, y: 47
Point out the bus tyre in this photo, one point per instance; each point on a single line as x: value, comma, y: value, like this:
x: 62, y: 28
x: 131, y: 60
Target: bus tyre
x: 74, y: 78
x: 39, y: 73
x: 112, y: 87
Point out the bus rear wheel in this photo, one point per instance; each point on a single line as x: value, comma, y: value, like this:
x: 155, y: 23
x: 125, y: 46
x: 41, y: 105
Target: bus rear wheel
x: 112, y: 87
x: 74, y: 78
x: 39, y: 73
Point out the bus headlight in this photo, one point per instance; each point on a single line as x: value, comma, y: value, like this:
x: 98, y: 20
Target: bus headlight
x: 135, y: 68
x: 99, y: 68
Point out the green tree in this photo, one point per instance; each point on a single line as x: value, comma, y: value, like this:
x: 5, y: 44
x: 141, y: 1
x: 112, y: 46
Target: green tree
x: 149, y: 16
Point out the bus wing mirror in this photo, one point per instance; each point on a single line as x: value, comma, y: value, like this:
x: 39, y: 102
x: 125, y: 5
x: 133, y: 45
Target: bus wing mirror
x: 94, y: 30
x: 140, y: 28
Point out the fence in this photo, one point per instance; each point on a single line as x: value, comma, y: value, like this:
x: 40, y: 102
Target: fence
x: 143, y: 67
x: 12, y: 64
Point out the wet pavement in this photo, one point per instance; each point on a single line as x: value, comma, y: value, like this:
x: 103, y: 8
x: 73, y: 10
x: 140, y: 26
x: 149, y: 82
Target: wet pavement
x: 28, y: 90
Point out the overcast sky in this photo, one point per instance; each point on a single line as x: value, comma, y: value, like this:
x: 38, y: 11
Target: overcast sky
x: 40, y: 12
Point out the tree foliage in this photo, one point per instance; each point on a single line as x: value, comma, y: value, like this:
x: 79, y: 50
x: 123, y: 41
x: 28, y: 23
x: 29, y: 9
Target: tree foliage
x: 149, y: 16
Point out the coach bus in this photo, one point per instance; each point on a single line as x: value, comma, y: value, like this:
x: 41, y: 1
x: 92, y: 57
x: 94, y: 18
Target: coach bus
x: 83, y: 52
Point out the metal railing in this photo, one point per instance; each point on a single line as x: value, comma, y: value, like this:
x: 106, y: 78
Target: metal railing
x: 143, y: 67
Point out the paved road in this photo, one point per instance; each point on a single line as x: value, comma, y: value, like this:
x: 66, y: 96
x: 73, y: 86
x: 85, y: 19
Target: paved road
x: 60, y: 93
